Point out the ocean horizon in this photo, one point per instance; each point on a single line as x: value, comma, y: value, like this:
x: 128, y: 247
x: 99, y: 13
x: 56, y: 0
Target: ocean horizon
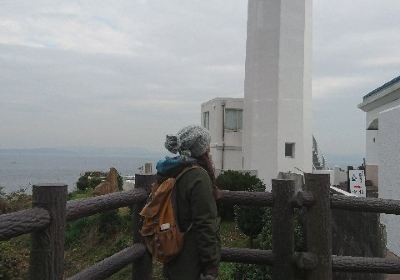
x: 23, y: 168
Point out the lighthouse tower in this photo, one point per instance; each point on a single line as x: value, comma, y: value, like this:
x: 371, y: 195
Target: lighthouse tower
x: 277, y: 128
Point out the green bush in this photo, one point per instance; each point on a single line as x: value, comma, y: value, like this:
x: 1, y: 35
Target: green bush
x: 83, y: 183
x: 109, y: 223
x: 258, y: 272
x: 90, y: 180
x: 104, y: 225
x: 236, y: 181
x: 74, y: 231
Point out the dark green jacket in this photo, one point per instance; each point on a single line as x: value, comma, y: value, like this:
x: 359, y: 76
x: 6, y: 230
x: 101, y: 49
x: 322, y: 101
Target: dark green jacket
x: 196, y: 211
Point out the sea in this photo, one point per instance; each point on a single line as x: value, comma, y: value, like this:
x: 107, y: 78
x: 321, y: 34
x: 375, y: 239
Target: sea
x: 23, y: 168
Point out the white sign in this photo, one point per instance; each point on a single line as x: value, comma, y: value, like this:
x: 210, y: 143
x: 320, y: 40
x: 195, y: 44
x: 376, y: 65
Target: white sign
x: 357, y: 183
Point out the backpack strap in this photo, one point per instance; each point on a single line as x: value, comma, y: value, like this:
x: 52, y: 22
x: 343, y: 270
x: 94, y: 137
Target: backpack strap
x: 174, y: 200
x: 186, y: 170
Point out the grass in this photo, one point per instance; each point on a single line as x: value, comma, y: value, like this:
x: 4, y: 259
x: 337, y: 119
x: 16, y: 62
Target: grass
x: 230, y: 237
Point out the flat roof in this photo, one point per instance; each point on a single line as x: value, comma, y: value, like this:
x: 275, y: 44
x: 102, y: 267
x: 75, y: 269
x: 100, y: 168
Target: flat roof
x: 216, y: 99
x: 381, y: 88
x: 384, y: 94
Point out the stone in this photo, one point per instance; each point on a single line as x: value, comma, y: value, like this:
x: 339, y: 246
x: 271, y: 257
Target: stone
x: 110, y: 184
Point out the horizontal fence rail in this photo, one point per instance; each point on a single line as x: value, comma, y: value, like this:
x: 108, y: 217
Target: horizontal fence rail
x: 362, y: 264
x: 27, y: 221
x: 21, y: 222
x: 366, y: 204
x: 247, y: 198
x: 85, y: 207
x: 111, y: 265
x: 249, y: 256
x: 307, y: 261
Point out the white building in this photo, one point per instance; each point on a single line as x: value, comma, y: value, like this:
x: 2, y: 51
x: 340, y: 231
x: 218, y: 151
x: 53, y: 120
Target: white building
x: 224, y: 118
x: 382, y: 106
x: 276, y: 134
x: 277, y: 90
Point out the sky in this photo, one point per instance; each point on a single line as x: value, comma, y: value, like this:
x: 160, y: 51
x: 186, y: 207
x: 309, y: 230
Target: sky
x: 124, y: 73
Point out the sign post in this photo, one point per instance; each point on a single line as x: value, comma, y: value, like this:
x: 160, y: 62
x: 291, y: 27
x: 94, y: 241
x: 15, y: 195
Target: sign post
x: 357, y: 183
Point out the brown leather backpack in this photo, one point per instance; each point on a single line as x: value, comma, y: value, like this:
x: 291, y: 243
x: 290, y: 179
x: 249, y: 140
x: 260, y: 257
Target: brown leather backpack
x: 160, y: 228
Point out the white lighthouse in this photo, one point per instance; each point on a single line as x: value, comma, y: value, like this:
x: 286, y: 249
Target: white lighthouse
x: 277, y: 128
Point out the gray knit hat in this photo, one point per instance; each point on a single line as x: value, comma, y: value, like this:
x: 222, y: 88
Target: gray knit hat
x: 192, y: 140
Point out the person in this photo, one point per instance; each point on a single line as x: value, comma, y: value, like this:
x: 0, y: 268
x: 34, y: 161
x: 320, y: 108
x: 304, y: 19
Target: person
x: 196, y: 210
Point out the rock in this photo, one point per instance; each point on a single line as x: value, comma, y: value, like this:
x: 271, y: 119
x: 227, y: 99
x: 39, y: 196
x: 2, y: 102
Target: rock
x: 110, y: 185
x: 3, y: 206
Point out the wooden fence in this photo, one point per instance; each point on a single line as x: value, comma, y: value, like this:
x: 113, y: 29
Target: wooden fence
x: 47, y: 219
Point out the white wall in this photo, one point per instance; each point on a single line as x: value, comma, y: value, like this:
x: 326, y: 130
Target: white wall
x: 336, y: 175
x: 232, y: 142
x: 371, y: 143
x: 389, y: 171
x: 277, y: 105
x: 374, y: 113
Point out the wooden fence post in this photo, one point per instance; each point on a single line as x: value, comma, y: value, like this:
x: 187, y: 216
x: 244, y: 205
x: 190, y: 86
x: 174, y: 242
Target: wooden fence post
x: 283, y: 230
x: 143, y: 267
x: 47, y: 252
x: 319, y: 226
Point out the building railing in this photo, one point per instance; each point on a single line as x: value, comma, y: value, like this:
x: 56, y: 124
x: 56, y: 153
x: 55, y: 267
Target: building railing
x: 46, y: 222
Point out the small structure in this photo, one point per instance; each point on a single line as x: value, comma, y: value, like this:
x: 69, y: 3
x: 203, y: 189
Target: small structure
x: 223, y: 117
x: 382, y: 106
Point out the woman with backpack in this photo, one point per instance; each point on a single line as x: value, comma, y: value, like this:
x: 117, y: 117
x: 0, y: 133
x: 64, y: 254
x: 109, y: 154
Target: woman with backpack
x: 195, y: 206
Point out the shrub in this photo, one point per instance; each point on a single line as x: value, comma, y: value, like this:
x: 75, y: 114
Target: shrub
x: 85, y: 182
x: 258, y: 272
x: 236, y: 181
x: 82, y: 183
x: 74, y: 230
x: 109, y: 223
x: 17, y: 200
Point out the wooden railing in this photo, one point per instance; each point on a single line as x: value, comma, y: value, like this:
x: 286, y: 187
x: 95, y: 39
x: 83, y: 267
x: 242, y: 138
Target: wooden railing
x: 50, y: 212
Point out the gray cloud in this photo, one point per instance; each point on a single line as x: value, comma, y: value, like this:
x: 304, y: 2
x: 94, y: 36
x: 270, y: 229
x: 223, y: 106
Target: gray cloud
x: 92, y: 73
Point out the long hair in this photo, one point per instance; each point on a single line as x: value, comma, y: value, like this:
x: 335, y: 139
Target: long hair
x: 205, y: 161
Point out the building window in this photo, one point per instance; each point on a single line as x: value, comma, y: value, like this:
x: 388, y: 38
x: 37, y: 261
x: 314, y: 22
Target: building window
x: 233, y: 119
x: 289, y: 150
x: 206, y: 120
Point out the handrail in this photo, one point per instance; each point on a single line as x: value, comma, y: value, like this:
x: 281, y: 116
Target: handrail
x: 363, y: 264
x: 339, y: 263
x: 112, y: 264
x: 247, y: 198
x: 24, y: 221
x: 249, y: 256
x: 366, y: 204
x: 29, y: 220
x: 88, y: 206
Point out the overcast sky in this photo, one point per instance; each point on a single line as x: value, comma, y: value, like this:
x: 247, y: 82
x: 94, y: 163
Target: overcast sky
x: 124, y: 73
